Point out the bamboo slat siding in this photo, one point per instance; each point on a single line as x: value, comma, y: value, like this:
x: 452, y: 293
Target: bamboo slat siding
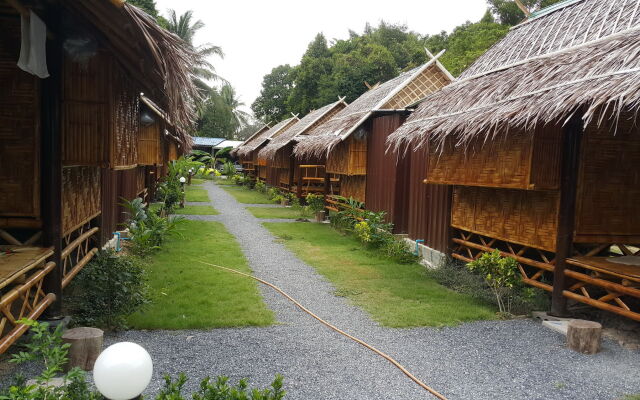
x: 353, y: 186
x: 81, y: 196
x: 609, y: 183
x: 19, y: 129
x: 173, y: 151
x: 149, y: 145
x: 527, y: 217
x: 348, y: 157
x: 387, y: 176
x: 84, y: 111
x: 429, y: 206
x: 519, y: 161
x: 125, y: 121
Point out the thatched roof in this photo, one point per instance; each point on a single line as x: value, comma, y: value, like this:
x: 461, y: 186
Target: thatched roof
x: 580, y: 53
x: 263, y: 136
x: 260, y: 131
x: 159, y: 60
x: 323, y: 138
x: 311, y: 120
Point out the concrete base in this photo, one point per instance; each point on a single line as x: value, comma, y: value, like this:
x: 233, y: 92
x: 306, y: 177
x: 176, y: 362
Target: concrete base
x: 557, y: 324
x: 430, y: 258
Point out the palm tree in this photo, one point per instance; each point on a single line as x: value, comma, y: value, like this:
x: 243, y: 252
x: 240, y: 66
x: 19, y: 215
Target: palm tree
x: 184, y: 27
x: 233, y: 104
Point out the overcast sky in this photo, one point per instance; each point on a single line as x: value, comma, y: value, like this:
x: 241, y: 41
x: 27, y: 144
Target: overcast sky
x: 257, y: 36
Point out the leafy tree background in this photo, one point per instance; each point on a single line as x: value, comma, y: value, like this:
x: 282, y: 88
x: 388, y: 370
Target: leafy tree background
x: 332, y: 68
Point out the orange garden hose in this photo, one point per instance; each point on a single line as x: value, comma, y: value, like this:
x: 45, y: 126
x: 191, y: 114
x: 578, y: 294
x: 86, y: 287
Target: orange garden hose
x: 355, y: 339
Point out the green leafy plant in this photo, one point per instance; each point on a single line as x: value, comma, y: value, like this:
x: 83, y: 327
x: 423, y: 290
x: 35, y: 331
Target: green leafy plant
x: 260, y: 187
x: 315, y: 202
x: 221, y: 390
x: 238, y: 179
x: 272, y: 193
x: 46, y: 346
x: 228, y: 169
x: 500, y: 274
x: 107, y: 290
x: 148, y: 229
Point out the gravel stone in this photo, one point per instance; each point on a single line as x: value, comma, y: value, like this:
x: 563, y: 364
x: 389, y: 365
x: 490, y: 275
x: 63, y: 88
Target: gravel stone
x: 511, y: 360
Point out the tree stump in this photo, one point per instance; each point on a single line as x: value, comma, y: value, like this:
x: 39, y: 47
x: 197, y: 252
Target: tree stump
x: 86, y: 346
x: 584, y: 336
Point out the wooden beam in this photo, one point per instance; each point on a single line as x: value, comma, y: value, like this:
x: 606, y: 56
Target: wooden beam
x: 51, y: 98
x: 19, y: 7
x: 571, y: 139
x: 523, y: 8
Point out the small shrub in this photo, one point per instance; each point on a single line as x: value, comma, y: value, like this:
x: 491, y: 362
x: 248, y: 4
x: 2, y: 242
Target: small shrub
x: 148, y: 229
x: 272, y: 193
x: 221, y: 390
x: 107, y: 290
x: 260, y: 187
x: 250, y: 183
x: 397, y: 250
x: 238, y: 179
x: 500, y: 274
x: 228, y: 169
x: 315, y: 202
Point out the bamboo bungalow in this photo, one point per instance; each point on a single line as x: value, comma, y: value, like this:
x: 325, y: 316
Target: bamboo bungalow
x: 246, y: 159
x: 539, y: 140
x: 291, y: 173
x: 248, y: 152
x: 354, y: 141
x: 75, y: 137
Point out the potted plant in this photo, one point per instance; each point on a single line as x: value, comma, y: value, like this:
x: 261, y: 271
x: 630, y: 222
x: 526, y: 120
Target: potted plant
x: 315, y: 202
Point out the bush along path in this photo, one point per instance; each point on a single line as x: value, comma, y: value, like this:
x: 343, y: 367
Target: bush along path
x: 515, y: 359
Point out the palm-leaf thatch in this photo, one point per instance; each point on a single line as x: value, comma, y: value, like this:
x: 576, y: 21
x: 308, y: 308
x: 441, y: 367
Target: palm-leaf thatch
x: 311, y: 120
x: 583, y: 54
x: 159, y: 60
x: 258, y: 140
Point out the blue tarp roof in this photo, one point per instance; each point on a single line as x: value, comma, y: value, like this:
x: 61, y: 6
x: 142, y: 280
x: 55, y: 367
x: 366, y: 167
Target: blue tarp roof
x: 206, y: 141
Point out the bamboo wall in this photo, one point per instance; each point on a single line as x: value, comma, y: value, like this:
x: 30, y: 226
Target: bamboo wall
x: 172, y: 153
x: 519, y: 216
x: 84, y: 110
x: 81, y: 196
x: 19, y: 129
x: 518, y: 160
x: 125, y: 117
x: 609, y: 183
x: 353, y: 186
x: 149, y: 152
x: 349, y: 157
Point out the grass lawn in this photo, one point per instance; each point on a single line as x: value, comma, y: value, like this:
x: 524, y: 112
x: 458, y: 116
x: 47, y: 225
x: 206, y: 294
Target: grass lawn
x: 247, y: 196
x: 196, y: 194
x: 197, y: 181
x: 190, y: 295
x: 197, y: 210
x: 225, y: 182
x: 395, y: 295
x: 284, y: 212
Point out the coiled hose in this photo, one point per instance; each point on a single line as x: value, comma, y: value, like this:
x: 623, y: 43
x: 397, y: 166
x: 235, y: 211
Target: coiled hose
x: 355, y: 339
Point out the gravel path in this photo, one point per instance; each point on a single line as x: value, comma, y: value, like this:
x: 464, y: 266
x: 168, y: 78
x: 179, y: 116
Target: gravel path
x: 511, y: 360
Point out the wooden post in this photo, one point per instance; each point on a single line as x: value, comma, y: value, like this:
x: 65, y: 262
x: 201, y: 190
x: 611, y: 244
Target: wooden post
x: 51, y: 97
x: 292, y: 171
x: 300, y: 183
x: 584, y: 336
x: 571, y: 140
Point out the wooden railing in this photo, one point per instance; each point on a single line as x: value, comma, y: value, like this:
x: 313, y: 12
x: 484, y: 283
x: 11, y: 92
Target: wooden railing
x: 23, y: 296
x: 595, y: 280
x: 80, y: 245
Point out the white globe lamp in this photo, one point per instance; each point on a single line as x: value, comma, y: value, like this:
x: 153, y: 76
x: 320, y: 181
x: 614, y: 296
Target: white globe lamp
x: 122, y: 371
x: 183, y: 179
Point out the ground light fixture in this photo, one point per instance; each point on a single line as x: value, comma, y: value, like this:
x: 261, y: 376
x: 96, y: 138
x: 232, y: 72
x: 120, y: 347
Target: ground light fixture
x: 123, y: 371
x: 183, y: 179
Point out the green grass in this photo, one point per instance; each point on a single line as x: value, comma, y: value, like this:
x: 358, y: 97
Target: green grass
x: 225, y: 182
x: 395, y: 295
x: 196, y: 194
x: 247, y: 196
x: 197, y: 181
x: 190, y: 295
x: 197, y: 210
x: 280, y: 212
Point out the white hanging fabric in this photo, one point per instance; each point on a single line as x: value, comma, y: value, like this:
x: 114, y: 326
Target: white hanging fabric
x: 33, y: 48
